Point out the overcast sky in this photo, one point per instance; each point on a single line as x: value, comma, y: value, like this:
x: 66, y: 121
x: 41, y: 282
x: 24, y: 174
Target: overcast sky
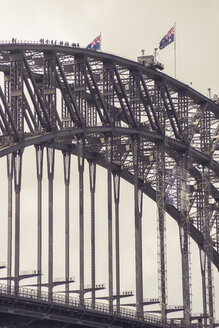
x: 126, y: 27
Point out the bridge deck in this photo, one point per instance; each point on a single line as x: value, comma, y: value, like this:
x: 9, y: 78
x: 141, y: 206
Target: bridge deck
x: 27, y: 309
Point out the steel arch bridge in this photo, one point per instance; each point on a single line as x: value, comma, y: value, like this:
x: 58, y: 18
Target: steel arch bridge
x: 141, y: 125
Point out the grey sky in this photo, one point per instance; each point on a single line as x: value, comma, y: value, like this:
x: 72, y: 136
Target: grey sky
x: 127, y: 27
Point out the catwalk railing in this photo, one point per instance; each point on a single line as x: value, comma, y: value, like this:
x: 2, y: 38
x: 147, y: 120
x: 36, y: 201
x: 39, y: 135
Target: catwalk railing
x: 27, y: 294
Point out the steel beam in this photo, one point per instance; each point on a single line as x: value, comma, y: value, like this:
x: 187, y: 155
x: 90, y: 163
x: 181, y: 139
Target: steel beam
x: 108, y: 92
x: 17, y: 187
x: 204, y: 289
x: 206, y: 225
x: 30, y: 112
x: 10, y: 168
x: 184, y: 233
x: 168, y: 109
x: 126, y: 115
x: 173, y: 110
x: 67, y: 166
x: 184, y: 246
x: 80, y: 151
x: 210, y: 290
x: 95, y: 90
x: 110, y: 232
x: 138, y: 229
x: 16, y: 84
x: 160, y: 194
x: 80, y: 87
x: 25, y: 116
x: 208, y: 246
x: 134, y: 95
x: 150, y: 103
x: 124, y: 95
x: 39, y: 166
x: 9, y: 114
x: 70, y: 99
x: 49, y: 84
x: 39, y: 115
x: 92, y: 174
x: 67, y: 102
x: 36, y: 91
x: 116, y: 180
x: 50, y: 172
x: 5, y: 126
x: 160, y: 200
x: 96, y: 103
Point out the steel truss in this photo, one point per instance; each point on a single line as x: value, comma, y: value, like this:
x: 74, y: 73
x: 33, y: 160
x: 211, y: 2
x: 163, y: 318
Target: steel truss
x: 141, y: 125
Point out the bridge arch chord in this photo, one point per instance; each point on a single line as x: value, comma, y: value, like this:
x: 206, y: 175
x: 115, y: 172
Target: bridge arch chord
x: 127, y: 118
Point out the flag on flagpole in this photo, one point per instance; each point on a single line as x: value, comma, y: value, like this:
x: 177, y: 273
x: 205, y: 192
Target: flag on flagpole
x: 95, y: 44
x: 168, y: 38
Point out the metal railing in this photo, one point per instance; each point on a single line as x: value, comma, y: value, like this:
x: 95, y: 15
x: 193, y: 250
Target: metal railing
x: 42, y: 42
x: 62, y: 44
x: 59, y: 299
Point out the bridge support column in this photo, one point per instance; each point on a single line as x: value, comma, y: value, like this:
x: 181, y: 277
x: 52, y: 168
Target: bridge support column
x: 184, y: 246
x: 110, y: 232
x: 17, y: 185
x: 210, y: 291
x: 138, y: 230
x: 160, y: 193
x: 80, y: 148
x: 50, y: 171
x: 39, y: 165
x: 10, y: 167
x: 184, y: 230
x: 49, y: 83
x: 204, y: 294
x: 67, y: 165
x: 207, y: 280
x: 92, y: 173
x: 204, y: 215
x: 116, y: 180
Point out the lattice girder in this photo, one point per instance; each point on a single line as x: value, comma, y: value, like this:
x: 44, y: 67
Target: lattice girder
x: 101, y: 92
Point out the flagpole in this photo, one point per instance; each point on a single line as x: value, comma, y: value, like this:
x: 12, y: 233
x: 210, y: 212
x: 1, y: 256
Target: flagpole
x: 175, y: 50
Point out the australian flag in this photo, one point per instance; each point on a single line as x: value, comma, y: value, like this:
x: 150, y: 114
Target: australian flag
x: 95, y: 44
x: 167, y: 39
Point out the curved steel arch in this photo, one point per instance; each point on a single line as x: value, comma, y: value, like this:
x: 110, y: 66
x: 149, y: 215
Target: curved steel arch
x: 155, y: 74
x: 178, y: 143
x: 148, y: 190
x: 56, y: 95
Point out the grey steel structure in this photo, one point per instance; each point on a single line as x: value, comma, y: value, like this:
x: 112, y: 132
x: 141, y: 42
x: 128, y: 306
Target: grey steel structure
x: 141, y: 125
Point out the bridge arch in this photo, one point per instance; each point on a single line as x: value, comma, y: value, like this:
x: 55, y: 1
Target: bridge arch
x: 138, y: 123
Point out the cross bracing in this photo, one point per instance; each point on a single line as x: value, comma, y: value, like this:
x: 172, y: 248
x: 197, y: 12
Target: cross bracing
x: 138, y: 123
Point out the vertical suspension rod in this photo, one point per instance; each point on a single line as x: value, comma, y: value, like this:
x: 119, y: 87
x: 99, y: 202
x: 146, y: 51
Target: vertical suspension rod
x: 210, y: 291
x: 92, y: 173
x: 205, y: 143
x: 184, y: 240
x: 110, y: 232
x: 17, y: 186
x: 39, y: 164
x: 67, y: 164
x: 208, y: 247
x: 138, y: 232
x: 203, y: 274
x: 10, y: 162
x: 184, y: 230
x: 116, y: 180
x: 50, y: 171
x: 80, y: 148
x: 160, y: 192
